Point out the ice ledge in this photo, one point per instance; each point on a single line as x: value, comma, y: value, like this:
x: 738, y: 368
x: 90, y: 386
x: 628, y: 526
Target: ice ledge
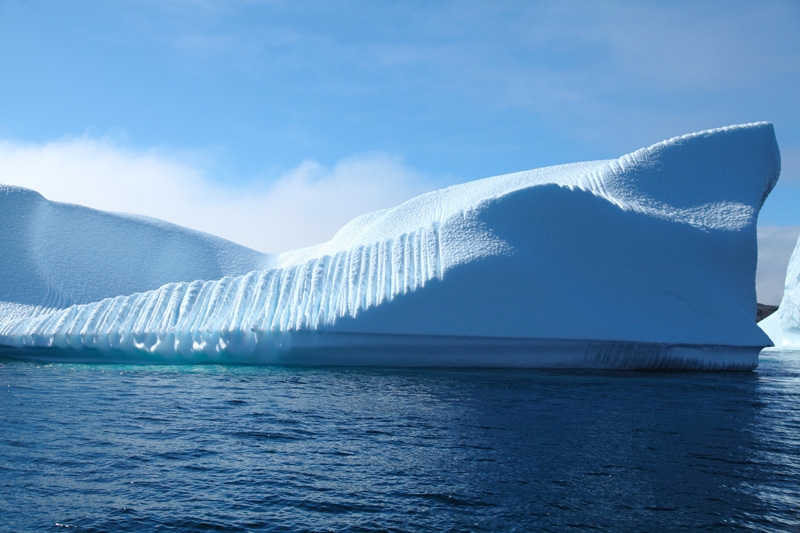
x: 427, y: 351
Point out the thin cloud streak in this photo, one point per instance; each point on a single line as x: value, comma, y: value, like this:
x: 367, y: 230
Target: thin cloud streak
x: 524, y: 56
x: 610, y: 74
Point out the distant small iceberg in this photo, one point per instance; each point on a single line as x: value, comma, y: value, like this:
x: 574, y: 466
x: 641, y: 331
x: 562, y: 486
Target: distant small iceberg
x: 783, y: 326
x: 643, y: 262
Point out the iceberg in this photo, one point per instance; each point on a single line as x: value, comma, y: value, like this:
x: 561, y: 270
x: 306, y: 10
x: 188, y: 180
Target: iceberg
x: 783, y: 326
x: 643, y: 262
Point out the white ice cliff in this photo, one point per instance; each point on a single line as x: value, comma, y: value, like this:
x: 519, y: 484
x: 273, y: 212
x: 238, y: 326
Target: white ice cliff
x: 783, y: 326
x: 646, y: 261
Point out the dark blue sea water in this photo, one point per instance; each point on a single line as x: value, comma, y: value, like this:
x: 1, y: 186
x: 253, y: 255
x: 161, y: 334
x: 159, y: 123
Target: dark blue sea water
x: 209, y: 448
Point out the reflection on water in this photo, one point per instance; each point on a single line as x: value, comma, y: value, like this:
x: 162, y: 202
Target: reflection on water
x: 288, y: 449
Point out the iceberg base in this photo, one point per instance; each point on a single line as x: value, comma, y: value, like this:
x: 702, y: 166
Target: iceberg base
x: 382, y: 350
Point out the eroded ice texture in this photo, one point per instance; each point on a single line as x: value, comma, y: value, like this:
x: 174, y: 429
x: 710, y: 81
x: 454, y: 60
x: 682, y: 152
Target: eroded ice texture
x: 645, y: 261
x: 783, y: 326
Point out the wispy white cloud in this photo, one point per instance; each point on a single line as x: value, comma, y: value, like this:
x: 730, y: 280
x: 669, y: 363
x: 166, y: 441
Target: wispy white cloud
x: 304, y: 206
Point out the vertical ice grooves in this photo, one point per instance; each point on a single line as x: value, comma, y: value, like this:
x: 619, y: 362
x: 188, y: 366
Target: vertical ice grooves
x: 229, y: 313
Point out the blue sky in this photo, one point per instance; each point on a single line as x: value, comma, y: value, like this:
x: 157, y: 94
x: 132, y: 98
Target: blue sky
x: 213, y: 114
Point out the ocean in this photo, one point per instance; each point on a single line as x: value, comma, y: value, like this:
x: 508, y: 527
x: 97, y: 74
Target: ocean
x: 238, y: 448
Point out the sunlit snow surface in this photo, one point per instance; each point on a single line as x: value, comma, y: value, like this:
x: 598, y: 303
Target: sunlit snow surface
x: 646, y: 261
x: 783, y: 326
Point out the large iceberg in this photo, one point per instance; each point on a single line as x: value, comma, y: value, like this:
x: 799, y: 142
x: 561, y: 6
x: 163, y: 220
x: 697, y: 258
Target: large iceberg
x: 783, y: 326
x: 646, y: 261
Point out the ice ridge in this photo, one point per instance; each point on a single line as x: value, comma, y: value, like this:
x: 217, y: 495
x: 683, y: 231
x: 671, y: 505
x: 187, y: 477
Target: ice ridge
x: 199, y: 316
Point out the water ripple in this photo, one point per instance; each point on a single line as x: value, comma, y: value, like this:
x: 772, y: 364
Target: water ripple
x: 127, y: 448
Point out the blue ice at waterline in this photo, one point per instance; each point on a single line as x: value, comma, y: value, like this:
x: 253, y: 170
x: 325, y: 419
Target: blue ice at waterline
x: 646, y: 261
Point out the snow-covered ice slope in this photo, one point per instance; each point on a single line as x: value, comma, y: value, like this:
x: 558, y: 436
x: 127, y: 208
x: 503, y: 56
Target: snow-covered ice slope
x: 54, y: 255
x: 646, y: 261
x: 783, y: 326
